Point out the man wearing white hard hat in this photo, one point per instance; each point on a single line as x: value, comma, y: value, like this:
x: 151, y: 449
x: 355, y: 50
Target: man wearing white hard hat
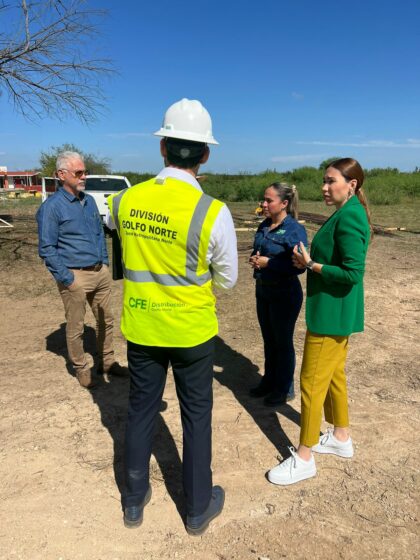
x: 177, y: 242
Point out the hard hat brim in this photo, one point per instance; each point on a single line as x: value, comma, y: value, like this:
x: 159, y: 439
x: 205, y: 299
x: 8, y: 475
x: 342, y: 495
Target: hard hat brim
x: 185, y: 136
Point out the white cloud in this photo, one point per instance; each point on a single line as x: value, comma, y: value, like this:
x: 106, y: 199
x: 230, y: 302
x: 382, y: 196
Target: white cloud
x: 298, y: 158
x: 409, y: 143
x: 297, y: 96
x: 123, y: 135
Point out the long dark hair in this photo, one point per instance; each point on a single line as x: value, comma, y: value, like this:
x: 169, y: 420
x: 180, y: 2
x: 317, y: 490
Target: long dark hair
x: 351, y: 169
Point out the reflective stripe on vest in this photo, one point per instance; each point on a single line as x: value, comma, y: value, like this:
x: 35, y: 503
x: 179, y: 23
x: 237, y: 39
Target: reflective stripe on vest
x: 165, y: 228
x: 116, y: 206
x: 192, y: 249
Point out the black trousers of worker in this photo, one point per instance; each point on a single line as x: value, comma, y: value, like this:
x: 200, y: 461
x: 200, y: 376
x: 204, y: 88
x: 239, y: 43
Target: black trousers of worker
x: 193, y: 373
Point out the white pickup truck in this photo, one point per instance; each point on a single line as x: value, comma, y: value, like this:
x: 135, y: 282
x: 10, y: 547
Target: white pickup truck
x: 101, y: 186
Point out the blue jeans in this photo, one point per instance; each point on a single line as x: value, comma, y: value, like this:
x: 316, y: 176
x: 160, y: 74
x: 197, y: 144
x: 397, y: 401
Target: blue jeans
x: 278, y: 308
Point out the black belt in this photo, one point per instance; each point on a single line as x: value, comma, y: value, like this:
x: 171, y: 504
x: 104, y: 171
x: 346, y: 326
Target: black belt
x: 96, y: 267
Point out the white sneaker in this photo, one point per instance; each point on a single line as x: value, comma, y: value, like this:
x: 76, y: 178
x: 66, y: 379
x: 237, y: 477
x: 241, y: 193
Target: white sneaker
x: 329, y: 444
x: 294, y: 469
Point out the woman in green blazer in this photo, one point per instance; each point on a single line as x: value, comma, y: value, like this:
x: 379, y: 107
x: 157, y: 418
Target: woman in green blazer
x: 334, y: 310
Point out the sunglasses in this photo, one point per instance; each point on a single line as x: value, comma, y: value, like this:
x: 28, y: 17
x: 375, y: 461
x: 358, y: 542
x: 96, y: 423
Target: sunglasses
x: 78, y: 174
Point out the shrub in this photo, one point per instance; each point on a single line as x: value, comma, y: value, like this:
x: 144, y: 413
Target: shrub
x: 383, y: 186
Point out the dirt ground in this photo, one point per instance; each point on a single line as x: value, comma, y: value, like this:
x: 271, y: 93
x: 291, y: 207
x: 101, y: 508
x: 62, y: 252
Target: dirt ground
x: 61, y: 445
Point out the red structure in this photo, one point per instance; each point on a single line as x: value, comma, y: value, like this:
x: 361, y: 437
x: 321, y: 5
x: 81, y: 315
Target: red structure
x: 26, y: 180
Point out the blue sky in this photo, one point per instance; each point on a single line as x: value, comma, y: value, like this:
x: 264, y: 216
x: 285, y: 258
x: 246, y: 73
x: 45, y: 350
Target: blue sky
x: 287, y: 83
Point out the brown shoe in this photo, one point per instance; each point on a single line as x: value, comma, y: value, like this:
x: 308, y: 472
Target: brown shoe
x: 116, y: 370
x: 86, y: 379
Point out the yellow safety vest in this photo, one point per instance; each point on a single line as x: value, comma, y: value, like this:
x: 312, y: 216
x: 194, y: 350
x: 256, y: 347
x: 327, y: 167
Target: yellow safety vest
x: 164, y: 226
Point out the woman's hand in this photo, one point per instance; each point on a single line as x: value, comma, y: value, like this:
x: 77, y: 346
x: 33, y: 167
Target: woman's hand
x: 262, y: 262
x: 258, y: 262
x: 253, y: 259
x: 300, y: 257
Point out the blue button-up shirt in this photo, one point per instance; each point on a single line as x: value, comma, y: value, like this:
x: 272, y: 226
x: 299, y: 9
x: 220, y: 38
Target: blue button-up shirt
x: 70, y: 234
x: 277, y: 244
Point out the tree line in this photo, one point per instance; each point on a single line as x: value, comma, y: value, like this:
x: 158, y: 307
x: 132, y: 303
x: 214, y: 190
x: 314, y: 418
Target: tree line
x: 382, y: 185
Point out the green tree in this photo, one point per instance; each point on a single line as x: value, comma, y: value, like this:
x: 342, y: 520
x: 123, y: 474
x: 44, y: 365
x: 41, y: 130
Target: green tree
x: 94, y: 164
x: 324, y: 164
x: 135, y: 177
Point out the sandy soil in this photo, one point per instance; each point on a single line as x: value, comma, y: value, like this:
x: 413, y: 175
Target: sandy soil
x: 61, y: 446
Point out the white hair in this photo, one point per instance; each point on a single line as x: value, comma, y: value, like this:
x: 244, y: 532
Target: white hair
x: 64, y: 157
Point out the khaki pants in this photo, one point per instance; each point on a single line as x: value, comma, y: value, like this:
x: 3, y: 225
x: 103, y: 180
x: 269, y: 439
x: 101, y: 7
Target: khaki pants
x: 323, y: 385
x: 94, y: 288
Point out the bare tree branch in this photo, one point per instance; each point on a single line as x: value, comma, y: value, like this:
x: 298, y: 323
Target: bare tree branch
x: 26, y: 15
x: 43, y: 69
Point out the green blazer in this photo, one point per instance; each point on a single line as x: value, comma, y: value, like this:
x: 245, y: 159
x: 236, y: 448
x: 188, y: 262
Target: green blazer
x: 334, y: 301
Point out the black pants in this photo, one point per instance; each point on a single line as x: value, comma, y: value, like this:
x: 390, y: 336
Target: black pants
x: 193, y: 373
x: 278, y: 308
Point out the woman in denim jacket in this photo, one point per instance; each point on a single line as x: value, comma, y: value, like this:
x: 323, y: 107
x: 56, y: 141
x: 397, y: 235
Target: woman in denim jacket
x: 278, y: 291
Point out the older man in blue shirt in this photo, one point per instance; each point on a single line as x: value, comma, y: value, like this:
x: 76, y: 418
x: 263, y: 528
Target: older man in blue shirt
x: 72, y: 244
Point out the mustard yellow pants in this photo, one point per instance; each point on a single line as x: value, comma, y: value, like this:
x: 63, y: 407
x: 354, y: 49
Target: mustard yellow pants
x: 323, y: 385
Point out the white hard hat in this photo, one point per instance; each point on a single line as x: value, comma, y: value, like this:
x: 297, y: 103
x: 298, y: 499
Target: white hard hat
x: 187, y: 120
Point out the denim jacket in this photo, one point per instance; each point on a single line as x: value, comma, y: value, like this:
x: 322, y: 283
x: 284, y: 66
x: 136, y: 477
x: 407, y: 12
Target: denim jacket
x: 278, y: 244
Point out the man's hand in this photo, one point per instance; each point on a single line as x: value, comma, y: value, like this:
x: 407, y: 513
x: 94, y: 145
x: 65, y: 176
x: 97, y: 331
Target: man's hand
x: 73, y: 286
